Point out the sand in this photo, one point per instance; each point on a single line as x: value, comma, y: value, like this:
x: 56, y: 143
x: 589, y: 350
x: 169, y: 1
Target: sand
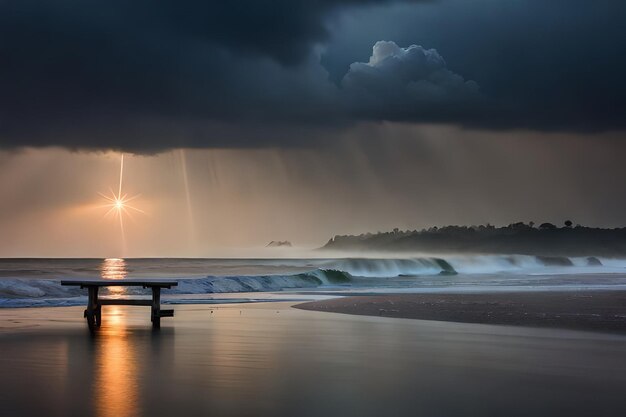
x: 578, y: 310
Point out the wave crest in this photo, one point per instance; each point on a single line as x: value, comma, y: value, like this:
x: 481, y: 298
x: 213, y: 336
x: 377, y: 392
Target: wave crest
x: 357, y: 272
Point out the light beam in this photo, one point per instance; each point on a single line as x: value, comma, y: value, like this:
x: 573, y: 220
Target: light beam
x: 118, y: 204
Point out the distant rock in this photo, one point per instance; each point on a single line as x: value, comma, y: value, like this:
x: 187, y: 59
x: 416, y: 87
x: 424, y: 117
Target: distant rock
x: 279, y: 244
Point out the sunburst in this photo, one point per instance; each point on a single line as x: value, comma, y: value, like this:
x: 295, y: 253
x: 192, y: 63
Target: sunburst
x: 118, y: 204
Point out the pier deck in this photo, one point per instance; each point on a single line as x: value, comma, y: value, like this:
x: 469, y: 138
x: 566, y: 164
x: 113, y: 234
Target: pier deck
x: 93, y: 313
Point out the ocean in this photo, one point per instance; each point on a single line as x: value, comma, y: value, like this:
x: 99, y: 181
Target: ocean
x: 36, y: 282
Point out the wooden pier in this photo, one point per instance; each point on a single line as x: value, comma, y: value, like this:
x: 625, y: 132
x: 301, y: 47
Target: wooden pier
x: 93, y: 313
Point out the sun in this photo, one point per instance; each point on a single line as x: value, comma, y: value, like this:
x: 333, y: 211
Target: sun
x: 118, y: 204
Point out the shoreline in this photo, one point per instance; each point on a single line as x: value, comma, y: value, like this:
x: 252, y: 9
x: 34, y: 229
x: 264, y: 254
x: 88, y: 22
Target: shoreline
x: 602, y: 311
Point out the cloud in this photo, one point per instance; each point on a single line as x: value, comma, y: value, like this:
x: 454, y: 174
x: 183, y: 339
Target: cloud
x: 542, y: 65
x: 147, y: 76
x: 284, y: 30
x: 154, y: 75
x: 410, y: 83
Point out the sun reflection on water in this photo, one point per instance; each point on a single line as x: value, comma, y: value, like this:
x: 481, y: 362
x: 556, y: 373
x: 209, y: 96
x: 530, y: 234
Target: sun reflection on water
x: 116, y: 368
x: 115, y: 381
x: 114, y: 268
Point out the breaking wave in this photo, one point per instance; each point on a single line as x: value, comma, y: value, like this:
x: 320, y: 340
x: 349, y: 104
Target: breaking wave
x: 32, y: 290
x: 364, y: 267
x: 14, y: 289
x: 255, y: 283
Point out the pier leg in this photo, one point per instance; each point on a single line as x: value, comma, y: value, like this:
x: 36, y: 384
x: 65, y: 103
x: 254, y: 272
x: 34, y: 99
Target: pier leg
x: 156, y: 307
x: 93, y: 307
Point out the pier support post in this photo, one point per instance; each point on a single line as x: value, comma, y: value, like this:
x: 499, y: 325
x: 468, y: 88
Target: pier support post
x: 93, y: 312
x: 156, y: 307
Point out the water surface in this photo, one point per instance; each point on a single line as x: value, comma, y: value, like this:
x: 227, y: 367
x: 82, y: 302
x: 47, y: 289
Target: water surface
x: 271, y: 360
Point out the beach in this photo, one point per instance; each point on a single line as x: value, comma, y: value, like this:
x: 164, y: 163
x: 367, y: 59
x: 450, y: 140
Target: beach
x: 269, y: 359
x: 270, y: 337
x: 578, y: 310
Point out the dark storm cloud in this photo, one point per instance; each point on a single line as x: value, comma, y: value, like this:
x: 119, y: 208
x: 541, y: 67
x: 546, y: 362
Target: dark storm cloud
x: 147, y: 76
x: 141, y: 74
x: 403, y: 83
x: 545, y: 65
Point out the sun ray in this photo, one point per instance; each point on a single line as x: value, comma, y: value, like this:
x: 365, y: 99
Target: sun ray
x: 121, y: 175
x: 118, y: 204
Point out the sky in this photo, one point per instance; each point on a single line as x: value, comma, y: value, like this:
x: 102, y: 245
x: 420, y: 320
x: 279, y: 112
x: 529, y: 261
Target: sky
x: 251, y: 121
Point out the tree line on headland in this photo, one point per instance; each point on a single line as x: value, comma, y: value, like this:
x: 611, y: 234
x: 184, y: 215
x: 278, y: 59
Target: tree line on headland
x: 516, y: 238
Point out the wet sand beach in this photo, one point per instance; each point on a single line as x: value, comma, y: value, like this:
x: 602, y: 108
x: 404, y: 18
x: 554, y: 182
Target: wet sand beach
x: 270, y: 359
x: 579, y: 310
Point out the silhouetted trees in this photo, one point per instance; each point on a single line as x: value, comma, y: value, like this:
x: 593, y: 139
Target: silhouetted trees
x: 519, y: 237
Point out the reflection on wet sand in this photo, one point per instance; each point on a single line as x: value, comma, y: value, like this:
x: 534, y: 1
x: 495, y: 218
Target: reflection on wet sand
x: 115, y: 371
x: 268, y: 360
